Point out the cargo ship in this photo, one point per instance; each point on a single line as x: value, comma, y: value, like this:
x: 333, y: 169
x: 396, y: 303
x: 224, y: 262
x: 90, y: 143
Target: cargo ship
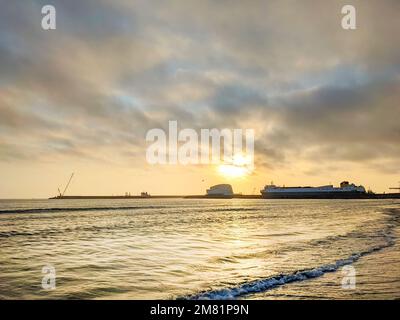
x: 345, y: 191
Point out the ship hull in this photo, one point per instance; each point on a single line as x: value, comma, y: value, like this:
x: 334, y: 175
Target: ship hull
x: 315, y: 195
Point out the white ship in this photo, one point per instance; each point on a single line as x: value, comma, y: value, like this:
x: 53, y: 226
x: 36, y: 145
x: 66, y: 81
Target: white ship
x: 346, y: 190
x: 220, y: 191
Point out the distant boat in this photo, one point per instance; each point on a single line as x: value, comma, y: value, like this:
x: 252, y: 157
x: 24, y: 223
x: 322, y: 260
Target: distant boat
x: 346, y: 190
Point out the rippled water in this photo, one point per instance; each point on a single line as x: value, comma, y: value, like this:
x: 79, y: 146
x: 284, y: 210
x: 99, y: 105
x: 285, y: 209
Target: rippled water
x: 214, y: 249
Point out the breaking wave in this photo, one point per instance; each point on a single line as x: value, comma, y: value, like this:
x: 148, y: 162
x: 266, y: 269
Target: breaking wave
x: 282, y: 279
x: 265, y: 284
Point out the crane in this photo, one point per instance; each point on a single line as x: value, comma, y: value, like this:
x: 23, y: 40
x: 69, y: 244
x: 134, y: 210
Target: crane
x: 66, y: 187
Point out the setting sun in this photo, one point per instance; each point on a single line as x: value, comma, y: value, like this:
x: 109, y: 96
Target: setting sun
x: 239, y: 166
x: 232, y: 171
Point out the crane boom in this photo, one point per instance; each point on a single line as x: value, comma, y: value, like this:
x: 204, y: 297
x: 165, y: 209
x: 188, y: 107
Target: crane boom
x: 66, y: 187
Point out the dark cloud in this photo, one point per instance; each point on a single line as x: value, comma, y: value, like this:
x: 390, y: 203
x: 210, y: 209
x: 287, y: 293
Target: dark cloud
x: 113, y: 70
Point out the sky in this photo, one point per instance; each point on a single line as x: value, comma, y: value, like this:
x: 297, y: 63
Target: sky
x: 324, y: 102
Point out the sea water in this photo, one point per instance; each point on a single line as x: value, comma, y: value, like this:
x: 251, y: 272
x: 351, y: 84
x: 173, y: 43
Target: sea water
x: 200, y: 249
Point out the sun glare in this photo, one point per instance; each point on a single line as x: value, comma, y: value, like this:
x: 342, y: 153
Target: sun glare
x: 240, y: 166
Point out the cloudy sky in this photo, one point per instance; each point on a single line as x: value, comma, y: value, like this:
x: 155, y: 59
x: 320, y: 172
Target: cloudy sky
x: 324, y: 102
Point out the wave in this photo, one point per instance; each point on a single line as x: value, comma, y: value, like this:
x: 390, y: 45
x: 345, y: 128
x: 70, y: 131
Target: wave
x: 47, y: 232
x: 69, y: 209
x: 231, y: 209
x: 279, y: 280
x: 46, y: 210
x: 265, y: 284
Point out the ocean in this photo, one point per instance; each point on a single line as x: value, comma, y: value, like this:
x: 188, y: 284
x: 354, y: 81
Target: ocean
x: 200, y: 249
